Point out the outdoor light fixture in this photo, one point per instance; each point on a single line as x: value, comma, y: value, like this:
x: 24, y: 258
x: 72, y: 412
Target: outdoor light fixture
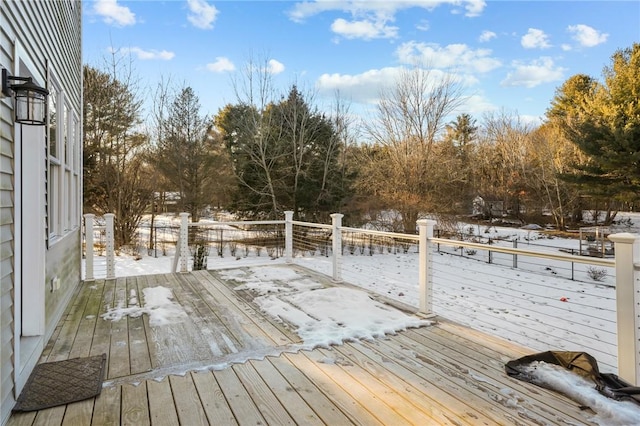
x: 31, y: 99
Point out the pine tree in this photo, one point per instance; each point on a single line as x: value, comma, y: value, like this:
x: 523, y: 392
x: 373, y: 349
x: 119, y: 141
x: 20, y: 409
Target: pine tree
x: 603, y: 120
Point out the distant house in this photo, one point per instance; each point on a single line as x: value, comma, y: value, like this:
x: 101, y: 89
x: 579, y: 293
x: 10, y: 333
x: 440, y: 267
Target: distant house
x: 40, y: 184
x: 487, y: 208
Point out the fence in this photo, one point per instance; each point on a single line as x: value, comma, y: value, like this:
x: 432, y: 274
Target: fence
x: 612, y: 330
x: 567, y: 269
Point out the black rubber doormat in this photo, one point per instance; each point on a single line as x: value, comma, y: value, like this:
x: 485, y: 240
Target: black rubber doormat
x: 62, y: 382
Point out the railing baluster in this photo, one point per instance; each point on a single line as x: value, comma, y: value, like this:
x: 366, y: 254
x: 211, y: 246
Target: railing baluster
x: 425, y: 275
x: 110, y: 245
x: 336, y: 219
x: 88, y: 258
x: 288, y: 236
x: 184, y: 242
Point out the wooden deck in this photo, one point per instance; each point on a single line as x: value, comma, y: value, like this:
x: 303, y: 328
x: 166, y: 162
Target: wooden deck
x: 229, y: 364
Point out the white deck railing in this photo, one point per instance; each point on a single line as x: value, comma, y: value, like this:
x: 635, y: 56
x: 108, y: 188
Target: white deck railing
x: 300, y: 238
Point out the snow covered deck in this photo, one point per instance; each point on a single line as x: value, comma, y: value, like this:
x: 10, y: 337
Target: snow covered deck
x: 209, y: 355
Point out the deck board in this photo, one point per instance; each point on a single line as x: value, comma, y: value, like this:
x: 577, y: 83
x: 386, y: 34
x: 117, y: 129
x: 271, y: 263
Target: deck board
x: 106, y: 410
x: 64, y: 342
x: 50, y: 416
x: 79, y: 413
x: 427, y: 397
x: 342, y: 399
x: 262, y: 395
x: 213, y: 400
x: 102, y: 332
x: 328, y: 412
x: 487, y: 367
x: 84, y: 336
x: 135, y: 405
x: 258, y: 323
x: 286, y: 394
x: 162, y: 408
x: 138, y: 345
x: 227, y: 363
x: 187, y: 400
x: 244, y: 409
x: 450, y: 379
x: 349, y: 367
x: 119, y: 364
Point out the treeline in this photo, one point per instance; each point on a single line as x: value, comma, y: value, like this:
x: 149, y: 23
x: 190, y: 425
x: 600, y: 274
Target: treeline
x: 269, y: 152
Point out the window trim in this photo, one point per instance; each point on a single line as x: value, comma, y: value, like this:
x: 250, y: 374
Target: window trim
x: 63, y: 167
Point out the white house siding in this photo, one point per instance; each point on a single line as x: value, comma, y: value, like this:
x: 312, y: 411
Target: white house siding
x: 6, y: 234
x: 46, y: 35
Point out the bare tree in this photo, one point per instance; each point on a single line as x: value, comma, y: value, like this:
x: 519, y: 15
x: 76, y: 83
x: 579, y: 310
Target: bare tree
x: 115, y: 174
x: 411, y: 116
x: 551, y: 156
x: 284, y: 152
x: 504, y: 161
x: 248, y: 126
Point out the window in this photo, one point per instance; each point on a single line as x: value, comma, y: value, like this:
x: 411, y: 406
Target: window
x: 63, y: 165
x: 53, y: 166
x: 76, y: 196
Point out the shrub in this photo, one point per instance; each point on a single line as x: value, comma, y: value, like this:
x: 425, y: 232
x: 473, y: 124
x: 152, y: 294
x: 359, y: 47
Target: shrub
x: 596, y: 274
x: 200, y: 257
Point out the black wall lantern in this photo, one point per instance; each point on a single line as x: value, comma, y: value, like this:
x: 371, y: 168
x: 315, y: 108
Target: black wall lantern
x: 31, y: 99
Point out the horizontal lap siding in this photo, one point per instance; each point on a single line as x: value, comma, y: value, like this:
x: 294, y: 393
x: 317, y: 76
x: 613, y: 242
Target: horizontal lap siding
x: 6, y: 235
x: 62, y: 262
x: 63, y: 50
x: 49, y: 33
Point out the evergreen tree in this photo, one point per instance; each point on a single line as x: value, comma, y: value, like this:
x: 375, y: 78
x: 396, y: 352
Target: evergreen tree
x: 185, y: 154
x: 603, y: 120
x: 285, y: 157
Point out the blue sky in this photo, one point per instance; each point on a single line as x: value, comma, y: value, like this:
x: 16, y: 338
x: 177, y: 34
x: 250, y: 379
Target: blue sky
x: 510, y: 55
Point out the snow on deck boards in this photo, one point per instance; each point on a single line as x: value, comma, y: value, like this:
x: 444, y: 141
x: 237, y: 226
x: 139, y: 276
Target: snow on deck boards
x: 226, y: 362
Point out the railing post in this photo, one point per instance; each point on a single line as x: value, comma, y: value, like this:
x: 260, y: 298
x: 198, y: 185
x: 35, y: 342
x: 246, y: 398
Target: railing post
x: 425, y: 273
x: 184, y: 242
x: 288, y: 236
x: 110, y: 246
x: 627, y: 251
x: 336, y: 236
x: 88, y: 247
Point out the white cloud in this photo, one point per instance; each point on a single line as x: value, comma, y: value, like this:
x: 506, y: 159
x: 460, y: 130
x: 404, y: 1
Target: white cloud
x: 587, y: 36
x: 371, y: 18
x: 474, y: 7
x: 202, y: 15
x: 535, y: 39
x: 364, y: 29
x: 532, y: 120
x: 145, y: 55
x: 534, y: 73
x: 565, y: 47
x: 221, y: 64
x: 486, y: 36
x: 476, y: 105
x: 365, y: 88
x: 361, y: 88
x: 275, y: 67
x: 113, y: 13
x: 423, y: 25
x: 456, y: 56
